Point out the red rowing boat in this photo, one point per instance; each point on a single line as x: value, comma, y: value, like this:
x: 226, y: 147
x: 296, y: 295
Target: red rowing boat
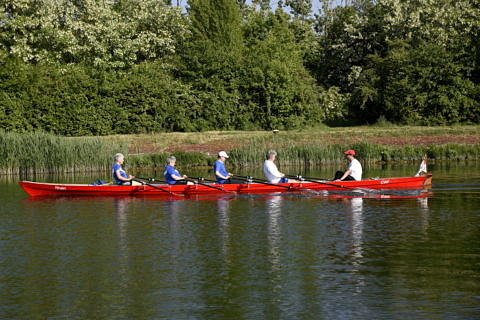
x: 54, y: 189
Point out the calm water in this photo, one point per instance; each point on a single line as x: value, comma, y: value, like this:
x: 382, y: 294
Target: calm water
x: 260, y: 257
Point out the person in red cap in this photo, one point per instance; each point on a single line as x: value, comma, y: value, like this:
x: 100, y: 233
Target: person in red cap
x: 354, y: 169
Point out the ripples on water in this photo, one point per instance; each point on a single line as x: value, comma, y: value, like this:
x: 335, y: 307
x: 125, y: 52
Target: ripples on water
x: 343, y: 255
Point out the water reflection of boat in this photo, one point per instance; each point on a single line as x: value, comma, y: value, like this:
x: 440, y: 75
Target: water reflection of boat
x: 274, y: 210
x: 418, y: 193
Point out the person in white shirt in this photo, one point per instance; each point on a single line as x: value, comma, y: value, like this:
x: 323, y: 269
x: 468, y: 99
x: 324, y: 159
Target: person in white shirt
x: 354, y: 169
x: 271, y: 172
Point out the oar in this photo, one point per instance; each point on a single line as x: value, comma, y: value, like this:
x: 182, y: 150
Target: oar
x: 151, y: 179
x: 207, y: 185
x: 261, y: 181
x: 338, y: 185
x: 205, y: 179
x: 309, y: 178
x: 158, y: 188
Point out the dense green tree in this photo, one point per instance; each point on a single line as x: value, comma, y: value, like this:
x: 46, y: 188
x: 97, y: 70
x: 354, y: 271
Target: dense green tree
x: 276, y: 80
x: 78, y: 67
x: 211, y: 61
x: 420, y: 85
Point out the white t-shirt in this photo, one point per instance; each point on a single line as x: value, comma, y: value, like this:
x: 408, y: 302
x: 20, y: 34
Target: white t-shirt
x: 356, y: 168
x: 271, y: 172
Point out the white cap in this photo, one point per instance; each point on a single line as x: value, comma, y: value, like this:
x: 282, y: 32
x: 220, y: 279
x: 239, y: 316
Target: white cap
x: 223, y: 154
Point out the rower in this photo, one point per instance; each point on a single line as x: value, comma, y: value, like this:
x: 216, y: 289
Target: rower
x: 271, y: 172
x: 354, y: 169
x: 171, y: 173
x: 120, y: 176
x: 221, y: 174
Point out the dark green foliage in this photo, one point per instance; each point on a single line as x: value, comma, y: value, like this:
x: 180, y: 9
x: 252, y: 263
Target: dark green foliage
x: 422, y: 85
x: 239, y: 66
x: 275, y: 80
x: 77, y: 100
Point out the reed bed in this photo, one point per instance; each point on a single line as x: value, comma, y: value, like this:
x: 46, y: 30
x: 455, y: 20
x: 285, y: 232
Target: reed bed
x: 42, y: 152
x: 158, y: 160
x: 291, y: 153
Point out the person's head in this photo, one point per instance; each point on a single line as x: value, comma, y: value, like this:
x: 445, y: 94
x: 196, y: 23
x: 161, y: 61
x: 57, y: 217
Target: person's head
x: 349, y: 154
x: 171, y: 160
x: 271, y: 154
x: 119, y: 158
x: 222, y: 155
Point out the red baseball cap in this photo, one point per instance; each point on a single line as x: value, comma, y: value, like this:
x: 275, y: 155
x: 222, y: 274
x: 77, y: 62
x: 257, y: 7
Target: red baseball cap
x: 350, y: 151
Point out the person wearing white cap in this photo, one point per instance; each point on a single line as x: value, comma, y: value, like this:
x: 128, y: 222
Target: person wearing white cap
x: 221, y: 173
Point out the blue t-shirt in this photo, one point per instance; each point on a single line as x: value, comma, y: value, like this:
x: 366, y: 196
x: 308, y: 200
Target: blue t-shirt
x: 169, y: 170
x: 116, y: 167
x: 220, y: 167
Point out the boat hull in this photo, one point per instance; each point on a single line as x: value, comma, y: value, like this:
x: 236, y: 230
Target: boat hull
x: 54, y: 189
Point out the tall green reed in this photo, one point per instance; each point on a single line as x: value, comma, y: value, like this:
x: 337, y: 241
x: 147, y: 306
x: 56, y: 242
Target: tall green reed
x: 43, y: 152
x: 292, y: 153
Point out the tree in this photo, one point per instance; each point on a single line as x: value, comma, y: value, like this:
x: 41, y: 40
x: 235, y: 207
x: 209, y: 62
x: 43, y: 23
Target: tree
x: 114, y: 34
x: 424, y: 84
x: 276, y: 82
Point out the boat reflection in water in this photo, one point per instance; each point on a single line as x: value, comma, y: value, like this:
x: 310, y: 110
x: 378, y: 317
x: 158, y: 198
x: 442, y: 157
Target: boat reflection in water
x: 121, y: 206
x: 274, y: 211
x: 223, y: 206
x: 356, y: 209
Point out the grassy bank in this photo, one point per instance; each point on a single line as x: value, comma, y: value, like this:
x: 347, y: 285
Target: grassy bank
x: 40, y: 152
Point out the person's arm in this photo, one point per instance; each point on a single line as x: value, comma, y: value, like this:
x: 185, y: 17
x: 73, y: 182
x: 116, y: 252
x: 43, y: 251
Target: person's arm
x: 272, y: 168
x: 178, y: 178
x: 218, y: 174
x: 119, y: 176
x: 345, y: 174
x: 175, y: 177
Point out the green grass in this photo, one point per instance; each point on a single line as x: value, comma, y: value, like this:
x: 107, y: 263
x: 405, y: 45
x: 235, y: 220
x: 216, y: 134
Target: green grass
x: 42, y: 152
x: 293, y: 154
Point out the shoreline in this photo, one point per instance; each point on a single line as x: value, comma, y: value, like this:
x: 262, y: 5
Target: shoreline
x: 48, y: 153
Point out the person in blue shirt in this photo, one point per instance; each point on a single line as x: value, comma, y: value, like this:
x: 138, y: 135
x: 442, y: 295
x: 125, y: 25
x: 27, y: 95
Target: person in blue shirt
x: 172, y: 175
x: 221, y: 173
x: 120, y: 176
